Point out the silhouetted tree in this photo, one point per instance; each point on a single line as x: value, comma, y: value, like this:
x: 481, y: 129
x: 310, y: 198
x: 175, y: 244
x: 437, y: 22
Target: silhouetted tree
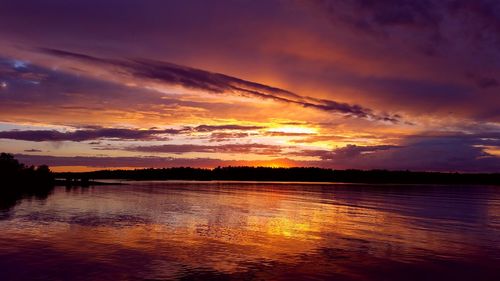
x: 18, y: 181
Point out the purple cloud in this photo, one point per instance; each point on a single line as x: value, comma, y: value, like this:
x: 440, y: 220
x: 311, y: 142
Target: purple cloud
x: 32, y: 150
x: 95, y: 133
x: 253, y: 148
x: 85, y: 135
x: 348, y: 152
x: 431, y: 152
x: 223, y: 136
x: 210, y: 128
x: 173, y: 74
x: 138, y: 162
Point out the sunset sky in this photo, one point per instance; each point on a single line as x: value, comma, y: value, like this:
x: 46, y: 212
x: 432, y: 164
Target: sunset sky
x: 361, y: 84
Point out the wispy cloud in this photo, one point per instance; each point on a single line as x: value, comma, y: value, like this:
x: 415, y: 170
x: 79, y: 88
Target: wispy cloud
x: 139, y: 162
x: 173, y: 74
x: 84, y: 135
x: 231, y: 127
x: 95, y: 133
x: 348, y: 152
x: 250, y: 148
x: 32, y: 150
x: 224, y: 136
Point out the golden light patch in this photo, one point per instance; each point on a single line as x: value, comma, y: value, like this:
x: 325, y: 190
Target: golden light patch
x: 294, y: 130
x: 493, y: 150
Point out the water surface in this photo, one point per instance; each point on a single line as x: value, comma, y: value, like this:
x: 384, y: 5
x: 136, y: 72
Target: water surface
x: 253, y: 231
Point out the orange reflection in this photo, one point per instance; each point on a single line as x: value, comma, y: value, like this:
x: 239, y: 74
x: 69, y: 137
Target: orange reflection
x: 222, y: 227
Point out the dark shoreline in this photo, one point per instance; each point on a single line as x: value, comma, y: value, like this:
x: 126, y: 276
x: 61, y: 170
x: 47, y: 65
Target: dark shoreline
x: 81, y: 183
x: 264, y: 174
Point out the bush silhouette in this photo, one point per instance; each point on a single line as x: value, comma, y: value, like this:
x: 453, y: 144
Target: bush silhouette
x: 20, y: 181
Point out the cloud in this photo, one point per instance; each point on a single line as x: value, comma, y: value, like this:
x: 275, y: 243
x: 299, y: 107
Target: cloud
x: 486, y: 82
x: 173, y: 74
x: 231, y: 127
x: 427, y: 152
x: 483, y: 82
x: 337, y: 138
x: 15, y: 71
x: 286, y: 134
x: 482, y: 19
x: 85, y: 135
x: 219, y: 137
x: 350, y: 151
x: 251, y: 148
x: 145, y: 162
x: 416, y: 24
x: 32, y: 150
x: 477, y: 20
x: 96, y: 132
x: 38, y: 94
x: 373, y: 15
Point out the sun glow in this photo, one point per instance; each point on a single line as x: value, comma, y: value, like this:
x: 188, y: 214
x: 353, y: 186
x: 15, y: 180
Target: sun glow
x: 294, y: 130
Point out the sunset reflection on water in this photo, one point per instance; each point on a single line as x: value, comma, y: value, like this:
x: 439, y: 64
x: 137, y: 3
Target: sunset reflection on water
x: 165, y: 231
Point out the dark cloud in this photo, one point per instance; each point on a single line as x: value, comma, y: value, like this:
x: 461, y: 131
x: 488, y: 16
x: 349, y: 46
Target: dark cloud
x: 483, y: 82
x: 433, y: 152
x: 141, y: 162
x: 85, y: 135
x: 286, y: 134
x: 251, y: 148
x: 222, y: 136
x: 398, y: 12
x: 417, y: 22
x: 169, y: 73
x: 481, y: 19
x: 33, y: 93
x: 372, y: 15
x: 327, y: 138
x: 486, y: 82
x: 96, y: 132
x: 20, y: 71
x: 96, y: 161
x: 428, y: 152
x: 446, y: 153
x: 211, y: 128
x: 32, y: 150
x: 348, y: 152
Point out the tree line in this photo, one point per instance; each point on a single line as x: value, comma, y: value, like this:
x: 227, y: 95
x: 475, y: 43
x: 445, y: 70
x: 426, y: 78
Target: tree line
x: 290, y: 174
x: 20, y: 181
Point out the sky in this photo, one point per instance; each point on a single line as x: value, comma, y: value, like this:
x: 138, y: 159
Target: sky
x: 354, y: 84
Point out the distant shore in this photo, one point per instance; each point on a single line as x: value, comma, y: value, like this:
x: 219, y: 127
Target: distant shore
x: 80, y: 182
x: 262, y: 174
x: 30, y: 179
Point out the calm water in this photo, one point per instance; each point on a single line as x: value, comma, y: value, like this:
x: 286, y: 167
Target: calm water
x: 247, y: 231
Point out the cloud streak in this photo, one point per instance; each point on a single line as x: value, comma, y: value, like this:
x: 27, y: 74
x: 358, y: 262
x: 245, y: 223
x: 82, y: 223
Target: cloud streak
x: 85, y: 135
x: 193, y: 78
x: 348, y: 152
x: 251, y: 148
x: 427, y: 152
x: 92, y: 133
x: 143, y: 162
x: 211, y: 128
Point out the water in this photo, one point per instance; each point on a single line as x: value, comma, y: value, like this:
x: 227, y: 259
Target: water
x: 251, y: 231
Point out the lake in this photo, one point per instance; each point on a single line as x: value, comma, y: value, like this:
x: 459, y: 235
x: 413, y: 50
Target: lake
x: 253, y: 231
